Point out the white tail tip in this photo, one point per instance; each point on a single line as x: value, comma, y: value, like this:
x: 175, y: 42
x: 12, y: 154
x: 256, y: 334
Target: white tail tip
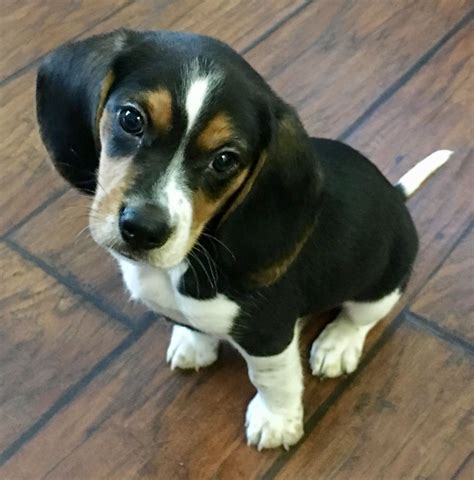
x: 411, y: 181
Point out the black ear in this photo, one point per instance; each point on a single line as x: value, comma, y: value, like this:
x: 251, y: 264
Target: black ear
x: 72, y: 86
x: 275, y: 211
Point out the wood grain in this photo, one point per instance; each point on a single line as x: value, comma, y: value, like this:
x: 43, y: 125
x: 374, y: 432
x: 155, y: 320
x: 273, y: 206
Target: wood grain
x: 27, y: 178
x: 49, y: 339
x: 428, y: 114
x: 74, y: 254
x: 334, y: 59
x: 409, y: 415
x: 141, y: 410
x: 236, y: 22
x: 137, y: 419
x: 448, y: 298
x: 31, y: 28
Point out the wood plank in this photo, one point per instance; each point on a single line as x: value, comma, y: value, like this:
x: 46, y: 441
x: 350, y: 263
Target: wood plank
x: 236, y: 22
x: 336, y: 57
x: 74, y: 254
x: 129, y: 423
x: 448, y: 298
x: 141, y: 409
x: 27, y: 178
x: 399, y: 419
x: 31, y: 28
x: 49, y: 339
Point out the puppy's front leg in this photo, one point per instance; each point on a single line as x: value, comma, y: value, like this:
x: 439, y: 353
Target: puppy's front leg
x: 275, y: 415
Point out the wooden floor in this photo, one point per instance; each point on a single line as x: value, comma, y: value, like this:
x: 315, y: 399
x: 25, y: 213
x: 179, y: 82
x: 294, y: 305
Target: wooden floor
x: 85, y: 389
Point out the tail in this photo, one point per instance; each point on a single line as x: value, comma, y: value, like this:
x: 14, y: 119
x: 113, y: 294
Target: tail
x: 410, y: 182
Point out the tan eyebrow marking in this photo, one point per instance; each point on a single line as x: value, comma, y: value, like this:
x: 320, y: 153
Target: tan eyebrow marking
x: 104, y: 90
x: 160, y: 108
x: 216, y: 133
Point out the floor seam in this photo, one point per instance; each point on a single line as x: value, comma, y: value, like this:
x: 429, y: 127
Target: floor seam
x: 406, y: 77
x: 441, y: 263
x: 40, y: 208
x: 72, y: 284
x: 77, y: 388
x: 405, y: 315
x: 463, y: 464
x: 440, y: 332
x: 275, y: 27
x: 26, y: 68
x: 340, y: 389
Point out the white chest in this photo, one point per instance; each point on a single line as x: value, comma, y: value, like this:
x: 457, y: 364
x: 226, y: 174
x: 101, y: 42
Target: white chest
x: 157, y: 289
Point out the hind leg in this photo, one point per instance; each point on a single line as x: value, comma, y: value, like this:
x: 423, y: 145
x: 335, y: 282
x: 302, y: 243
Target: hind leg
x: 338, y: 348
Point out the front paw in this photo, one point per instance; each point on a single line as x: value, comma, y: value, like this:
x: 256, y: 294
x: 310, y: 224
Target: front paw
x: 338, y: 349
x: 191, y: 350
x: 266, y: 429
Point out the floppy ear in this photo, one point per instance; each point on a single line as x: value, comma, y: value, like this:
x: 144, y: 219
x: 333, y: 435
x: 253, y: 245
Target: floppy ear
x: 71, y: 89
x: 275, y: 211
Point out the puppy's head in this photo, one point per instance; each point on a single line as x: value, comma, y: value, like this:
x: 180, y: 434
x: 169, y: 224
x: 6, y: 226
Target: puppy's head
x: 171, y: 133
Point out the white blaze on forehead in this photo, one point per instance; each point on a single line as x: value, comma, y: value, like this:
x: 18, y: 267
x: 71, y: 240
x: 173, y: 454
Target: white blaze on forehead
x: 195, y: 98
x: 171, y: 190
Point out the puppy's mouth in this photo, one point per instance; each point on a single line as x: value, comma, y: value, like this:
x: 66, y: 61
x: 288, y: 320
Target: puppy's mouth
x: 142, y: 230
x: 164, y: 252
x: 134, y: 255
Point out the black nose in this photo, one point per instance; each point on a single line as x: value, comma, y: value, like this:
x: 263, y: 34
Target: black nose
x: 144, y: 227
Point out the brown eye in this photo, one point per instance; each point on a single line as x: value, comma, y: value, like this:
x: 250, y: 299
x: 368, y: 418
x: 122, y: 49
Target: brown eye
x: 131, y: 121
x: 225, y: 162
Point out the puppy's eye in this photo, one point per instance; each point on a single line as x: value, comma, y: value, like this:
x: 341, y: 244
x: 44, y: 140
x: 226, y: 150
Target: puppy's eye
x: 225, y: 162
x: 131, y: 121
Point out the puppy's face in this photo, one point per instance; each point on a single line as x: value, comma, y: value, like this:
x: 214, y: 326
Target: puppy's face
x: 175, y: 133
x: 178, y: 140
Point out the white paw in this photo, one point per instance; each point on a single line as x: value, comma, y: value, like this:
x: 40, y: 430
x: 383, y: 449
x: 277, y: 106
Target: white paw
x: 266, y: 429
x: 189, y: 349
x: 338, y: 348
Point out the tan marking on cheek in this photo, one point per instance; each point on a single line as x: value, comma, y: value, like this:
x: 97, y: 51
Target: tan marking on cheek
x: 216, y: 133
x: 114, y: 179
x: 160, y: 108
x: 204, y: 207
x: 114, y: 176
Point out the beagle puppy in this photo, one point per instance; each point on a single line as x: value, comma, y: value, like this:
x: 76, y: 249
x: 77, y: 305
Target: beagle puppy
x: 223, y: 214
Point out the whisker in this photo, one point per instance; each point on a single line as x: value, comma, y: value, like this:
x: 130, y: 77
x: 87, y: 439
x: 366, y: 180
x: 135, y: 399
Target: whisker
x: 204, y: 269
x: 195, y: 275
x: 209, y: 260
x: 212, y: 237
